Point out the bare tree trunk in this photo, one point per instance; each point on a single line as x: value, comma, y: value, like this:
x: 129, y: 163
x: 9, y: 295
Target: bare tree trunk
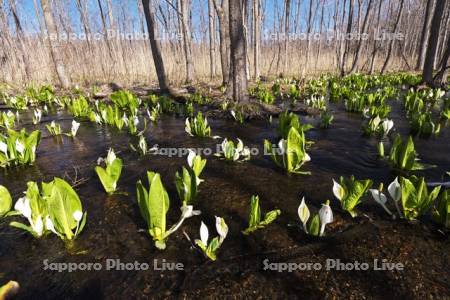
x: 364, y: 29
x: 320, y: 31
x: 21, y: 39
x: 286, y: 37
x: 238, y: 55
x: 156, y: 51
x: 349, y: 30
x: 442, y: 33
x: 256, y: 36
x: 187, y: 39
x: 54, y: 52
x: 427, y: 74
x: 424, y: 35
x: 212, y: 39
x: 375, y: 48
x: 441, y: 75
x: 391, y: 43
x: 308, y: 44
x: 222, y: 13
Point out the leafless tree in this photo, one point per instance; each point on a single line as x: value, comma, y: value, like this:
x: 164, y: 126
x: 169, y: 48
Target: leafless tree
x: 238, y: 55
x: 52, y: 42
x: 156, y: 51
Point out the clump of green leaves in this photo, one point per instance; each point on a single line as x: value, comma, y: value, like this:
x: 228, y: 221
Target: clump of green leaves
x: 291, y: 153
x: 126, y: 100
x: 18, y: 147
x: 142, y: 147
x: 188, y: 180
x: 238, y: 116
x: 403, y: 155
x: 54, y: 128
x: 79, y: 107
x: 198, y: 126
x: 377, y: 126
x: 264, y: 94
x: 350, y: 192
x: 5, y: 201
x: 441, y: 211
x: 317, y: 102
x: 316, y: 224
x: 254, y: 219
x: 7, y: 119
x: 326, y: 118
x: 17, y: 102
x: 210, y: 248
x: 416, y: 200
x: 422, y: 124
x: 287, y: 121
x: 154, y: 204
x: 233, y: 152
x: 109, y: 176
x: 56, y: 209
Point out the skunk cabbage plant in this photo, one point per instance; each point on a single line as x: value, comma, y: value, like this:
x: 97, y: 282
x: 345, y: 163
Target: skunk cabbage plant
x: 255, y: 221
x: 154, y: 204
x: 188, y: 180
x: 291, y: 153
x: 289, y: 120
x: 210, y: 248
x: 109, y: 176
x: 421, y: 123
x: 316, y: 224
x: 350, y: 192
x: 326, y: 118
x: 54, y: 128
x: 126, y: 100
x: 377, y: 126
x: 74, y: 129
x: 380, y: 198
x: 233, y: 152
x: 37, y: 116
x: 142, y: 147
x: 5, y: 201
x: 403, y: 155
x: 7, y: 120
x: 56, y: 209
x: 79, y: 107
x: 441, y: 211
x: 198, y: 126
x: 18, y: 147
x: 416, y: 200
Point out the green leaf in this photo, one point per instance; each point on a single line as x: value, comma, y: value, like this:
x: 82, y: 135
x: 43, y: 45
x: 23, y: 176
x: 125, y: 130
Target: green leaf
x: 270, y: 217
x: 212, y: 248
x: 5, y: 201
x: 105, y: 179
x: 23, y: 227
x: 110, y: 176
x: 186, y: 185
x: 158, y: 204
x: 255, y: 212
x: 62, y: 204
x: 441, y: 213
x: 416, y: 200
x: 314, y: 226
x: 114, y: 169
x: 354, y: 192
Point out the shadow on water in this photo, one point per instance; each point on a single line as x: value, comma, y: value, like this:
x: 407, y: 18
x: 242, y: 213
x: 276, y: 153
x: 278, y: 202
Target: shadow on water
x: 114, y: 223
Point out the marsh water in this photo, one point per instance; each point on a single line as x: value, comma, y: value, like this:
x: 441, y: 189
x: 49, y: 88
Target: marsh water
x: 114, y: 225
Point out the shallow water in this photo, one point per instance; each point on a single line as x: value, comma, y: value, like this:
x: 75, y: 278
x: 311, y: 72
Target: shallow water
x: 113, y: 223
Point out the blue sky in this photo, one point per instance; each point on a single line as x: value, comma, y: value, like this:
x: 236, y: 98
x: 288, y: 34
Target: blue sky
x: 272, y: 9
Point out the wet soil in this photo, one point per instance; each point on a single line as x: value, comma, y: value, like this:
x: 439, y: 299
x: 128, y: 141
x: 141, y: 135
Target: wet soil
x: 113, y: 229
